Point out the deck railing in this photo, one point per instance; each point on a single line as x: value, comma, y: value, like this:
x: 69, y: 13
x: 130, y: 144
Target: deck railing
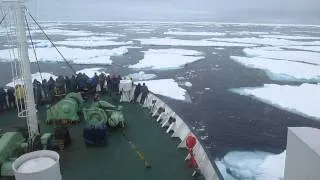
x: 168, y: 119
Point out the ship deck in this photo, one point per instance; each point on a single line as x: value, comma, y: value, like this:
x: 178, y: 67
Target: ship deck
x: 117, y: 160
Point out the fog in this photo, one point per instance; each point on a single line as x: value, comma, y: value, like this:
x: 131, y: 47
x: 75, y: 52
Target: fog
x: 264, y: 11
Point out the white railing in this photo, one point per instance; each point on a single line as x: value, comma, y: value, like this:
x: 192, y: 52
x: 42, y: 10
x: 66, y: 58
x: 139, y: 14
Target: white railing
x: 180, y: 130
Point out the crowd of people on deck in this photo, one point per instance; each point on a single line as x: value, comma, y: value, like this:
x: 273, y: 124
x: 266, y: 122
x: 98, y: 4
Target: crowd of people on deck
x: 47, y: 91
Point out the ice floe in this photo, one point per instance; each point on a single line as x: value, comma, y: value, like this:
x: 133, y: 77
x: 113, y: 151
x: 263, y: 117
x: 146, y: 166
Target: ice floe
x: 303, y: 99
x: 141, y: 76
x: 282, y: 69
x: 252, y: 165
x: 183, y: 33
x: 180, y: 42
x: 308, y: 48
x: 166, y: 87
x: 167, y: 58
x: 266, y: 41
x: 241, y: 33
x: 91, y: 71
x: 292, y: 37
x: 37, y: 76
x: 300, y: 56
x: 93, y: 41
x: 188, y: 84
x: 85, y: 43
x: 65, y: 32
x: 93, y: 38
x: 74, y: 55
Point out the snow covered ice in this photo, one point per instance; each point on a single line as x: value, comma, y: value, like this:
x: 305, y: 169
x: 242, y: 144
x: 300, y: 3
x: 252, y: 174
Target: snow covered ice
x: 141, y: 76
x: 255, y: 165
x: 91, y: 71
x: 75, y: 55
x: 167, y: 58
x: 166, y: 87
x: 266, y: 41
x: 291, y: 37
x: 65, y: 32
x: 303, y: 99
x: 308, y: 48
x: 282, y: 69
x: 34, y: 76
x: 181, y: 42
x: 299, y: 56
x: 182, y: 33
x: 94, y: 41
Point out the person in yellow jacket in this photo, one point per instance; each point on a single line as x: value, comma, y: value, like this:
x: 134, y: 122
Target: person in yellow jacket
x: 20, y: 95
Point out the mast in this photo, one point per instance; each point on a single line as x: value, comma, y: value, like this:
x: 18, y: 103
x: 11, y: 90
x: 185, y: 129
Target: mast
x: 18, y: 9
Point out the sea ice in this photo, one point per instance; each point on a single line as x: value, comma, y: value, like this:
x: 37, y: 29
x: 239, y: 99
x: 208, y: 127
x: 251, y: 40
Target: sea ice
x: 188, y: 84
x: 265, y: 41
x: 180, y: 42
x: 274, y: 165
x: 241, y: 33
x: 291, y: 37
x: 36, y: 76
x: 194, y: 33
x: 91, y: 71
x: 299, y: 56
x: 75, y: 55
x: 166, y: 87
x: 65, y: 32
x: 252, y: 165
x: 141, y: 76
x: 303, y: 99
x: 282, y: 69
x: 308, y: 48
x: 167, y: 58
x: 92, y: 42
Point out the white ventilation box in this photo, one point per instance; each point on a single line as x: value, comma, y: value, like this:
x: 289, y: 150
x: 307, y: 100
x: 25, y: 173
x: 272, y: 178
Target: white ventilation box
x: 37, y: 165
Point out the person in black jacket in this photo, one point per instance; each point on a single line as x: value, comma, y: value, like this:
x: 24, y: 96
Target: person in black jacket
x: 37, y: 92
x: 137, y: 92
x: 51, y: 84
x: 145, y: 92
x: 11, y: 98
x: 3, y: 99
x: 45, y: 89
x: 68, y: 84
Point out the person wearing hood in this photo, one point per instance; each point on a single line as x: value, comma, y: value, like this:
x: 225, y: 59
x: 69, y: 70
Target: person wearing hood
x: 60, y: 85
x: 73, y: 83
x: 51, y: 85
x: 145, y: 92
x: 3, y: 99
x: 37, y: 92
x: 45, y: 89
x: 68, y: 84
x: 11, y: 98
x: 137, y: 92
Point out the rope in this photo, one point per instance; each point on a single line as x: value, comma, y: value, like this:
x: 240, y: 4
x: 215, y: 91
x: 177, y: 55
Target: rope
x: 3, y: 19
x: 74, y: 72
x: 33, y: 47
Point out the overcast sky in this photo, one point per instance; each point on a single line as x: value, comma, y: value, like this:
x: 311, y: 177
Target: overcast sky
x: 265, y: 11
